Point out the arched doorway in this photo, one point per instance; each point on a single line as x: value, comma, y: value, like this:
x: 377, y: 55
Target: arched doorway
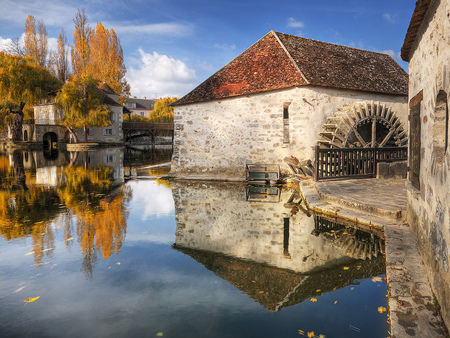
x: 50, y: 139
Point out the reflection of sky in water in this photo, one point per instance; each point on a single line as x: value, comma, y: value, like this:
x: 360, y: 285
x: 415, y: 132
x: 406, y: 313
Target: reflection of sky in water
x: 151, y: 208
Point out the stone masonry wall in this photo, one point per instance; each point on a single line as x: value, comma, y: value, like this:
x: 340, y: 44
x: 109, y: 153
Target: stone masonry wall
x: 429, y: 206
x: 217, y: 139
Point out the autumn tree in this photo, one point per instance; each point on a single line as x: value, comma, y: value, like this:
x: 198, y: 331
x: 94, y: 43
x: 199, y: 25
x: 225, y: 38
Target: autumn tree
x: 163, y: 111
x: 98, y: 53
x: 80, y: 51
x: 59, y: 59
x: 23, y: 83
x: 83, y: 105
x: 36, y: 42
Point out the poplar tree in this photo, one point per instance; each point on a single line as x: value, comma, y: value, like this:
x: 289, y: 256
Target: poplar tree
x: 36, y: 43
x: 59, y: 59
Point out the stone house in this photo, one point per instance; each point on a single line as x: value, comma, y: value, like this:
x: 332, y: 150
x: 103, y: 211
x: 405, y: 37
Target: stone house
x: 140, y: 107
x: 427, y: 49
x: 48, y: 127
x: 281, y: 97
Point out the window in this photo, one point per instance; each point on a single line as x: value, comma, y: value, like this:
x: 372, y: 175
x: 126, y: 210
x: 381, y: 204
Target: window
x: 415, y: 140
x: 114, y: 117
x: 142, y: 113
x: 130, y: 104
x: 440, y: 127
x: 286, y: 123
x: 90, y: 131
x: 109, y: 132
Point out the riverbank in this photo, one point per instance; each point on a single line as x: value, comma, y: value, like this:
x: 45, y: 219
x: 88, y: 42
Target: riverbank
x: 380, y: 203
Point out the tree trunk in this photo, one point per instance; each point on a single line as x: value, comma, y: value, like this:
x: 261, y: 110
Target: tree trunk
x: 85, y: 134
x: 74, y: 136
x: 16, y: 128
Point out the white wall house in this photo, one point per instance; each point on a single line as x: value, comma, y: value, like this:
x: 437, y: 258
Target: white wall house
x: 427, y: 49
x: 274, y: 99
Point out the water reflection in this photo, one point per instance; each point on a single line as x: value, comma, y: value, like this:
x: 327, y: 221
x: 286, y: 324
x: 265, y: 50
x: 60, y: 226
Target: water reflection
x: 81, y: 193
x: 276, y: 252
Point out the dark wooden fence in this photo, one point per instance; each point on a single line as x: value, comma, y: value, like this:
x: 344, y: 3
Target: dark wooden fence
x: 354, y: 162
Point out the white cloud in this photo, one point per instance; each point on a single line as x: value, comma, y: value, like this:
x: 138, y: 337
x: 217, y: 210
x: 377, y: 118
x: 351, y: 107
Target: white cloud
x: 294, y: 23
x: 389, y: 17
x: 391, y: 53
x: 225, y: 46
x: 160, y: 74
x: 172, y: 29
x: 4, y: 43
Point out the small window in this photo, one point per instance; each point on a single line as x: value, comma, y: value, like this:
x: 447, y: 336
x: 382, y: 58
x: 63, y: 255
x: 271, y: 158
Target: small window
x: 440, y: 127
x: 286, y: 123
x: 142, y: 113
x: 114, y: 117
x: 90, y: 131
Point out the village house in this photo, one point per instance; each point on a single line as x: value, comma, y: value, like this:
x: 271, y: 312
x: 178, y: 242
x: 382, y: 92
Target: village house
x: 283, y: 96
x: 140, y: 107
x: 47, y: 127
x: 427, y: 49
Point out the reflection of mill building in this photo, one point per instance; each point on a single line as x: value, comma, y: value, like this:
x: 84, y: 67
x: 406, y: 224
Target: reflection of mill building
x: 283, y: 96
x: 267, y: 246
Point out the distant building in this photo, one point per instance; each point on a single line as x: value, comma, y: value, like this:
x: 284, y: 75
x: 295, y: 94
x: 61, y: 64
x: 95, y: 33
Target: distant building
x: 281, y: 97
x: 48, y: 127
x: 140, y: 107
x: 427, y: 49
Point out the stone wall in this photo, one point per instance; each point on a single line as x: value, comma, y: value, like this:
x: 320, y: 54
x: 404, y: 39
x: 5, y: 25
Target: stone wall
x: 217, y: 139
x: 429, y: 206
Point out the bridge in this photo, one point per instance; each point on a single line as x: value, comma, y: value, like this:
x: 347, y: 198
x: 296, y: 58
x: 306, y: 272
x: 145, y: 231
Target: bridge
x: 138, y: 129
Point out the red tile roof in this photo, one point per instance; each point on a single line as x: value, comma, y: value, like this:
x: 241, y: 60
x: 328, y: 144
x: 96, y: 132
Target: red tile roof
x: 280, y: 61
x: 420, y: 10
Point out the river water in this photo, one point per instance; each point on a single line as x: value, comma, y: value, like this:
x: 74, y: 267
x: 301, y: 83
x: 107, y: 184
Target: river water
x: 94, y: 244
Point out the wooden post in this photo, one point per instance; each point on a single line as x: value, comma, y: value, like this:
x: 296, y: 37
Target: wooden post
x: 316, y: 164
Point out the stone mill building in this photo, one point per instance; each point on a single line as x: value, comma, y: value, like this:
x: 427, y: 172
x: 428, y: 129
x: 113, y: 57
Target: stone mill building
x: 283, y: 96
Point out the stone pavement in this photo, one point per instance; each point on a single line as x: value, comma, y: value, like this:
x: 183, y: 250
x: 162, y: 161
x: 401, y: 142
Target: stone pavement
x: 382, y: 203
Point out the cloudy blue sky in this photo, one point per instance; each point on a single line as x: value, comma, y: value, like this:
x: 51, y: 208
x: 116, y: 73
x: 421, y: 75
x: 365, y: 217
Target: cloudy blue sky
x: 170, y: 46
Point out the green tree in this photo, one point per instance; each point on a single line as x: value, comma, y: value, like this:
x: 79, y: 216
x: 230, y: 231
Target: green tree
x: 83, y: 105
x: 23, y: 83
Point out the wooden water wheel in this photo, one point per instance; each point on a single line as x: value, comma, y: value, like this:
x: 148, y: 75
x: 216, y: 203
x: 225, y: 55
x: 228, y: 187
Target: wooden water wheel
x: 365, y: 125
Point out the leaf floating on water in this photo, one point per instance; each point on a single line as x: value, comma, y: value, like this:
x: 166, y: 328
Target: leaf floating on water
x: 31, y: 299
x: 261, y: 292
x: 311, y: 334
x: 376, y: 279
x: 301, y: 332
x: 159, y: 334
x: 318, y: 290
x: 335, y: 302
x: 346, y: 268
x: 382, y: 309
x: 118, y: 263
x: 313, y: 299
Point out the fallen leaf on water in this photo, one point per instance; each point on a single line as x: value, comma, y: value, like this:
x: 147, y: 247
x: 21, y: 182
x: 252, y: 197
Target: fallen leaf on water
x: 335, y: 302
x: 318, y: 290
x: 159, y: 334
x: 261, y: 292
x: 31, y: 299
x: 376, y: 279
x: 382, y: 309
x: 313, y: 299
x: 301, y: 332
x: 346, y: 268
x: 311, y: 334
x: 118, y: 263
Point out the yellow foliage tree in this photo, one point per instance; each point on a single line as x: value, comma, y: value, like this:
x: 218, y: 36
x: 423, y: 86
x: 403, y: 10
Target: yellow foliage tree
x: 36, y: 43
x: 59, y: 59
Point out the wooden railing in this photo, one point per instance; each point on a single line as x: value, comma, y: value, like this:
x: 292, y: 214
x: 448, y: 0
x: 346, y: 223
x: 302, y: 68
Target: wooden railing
x: 147, y: 126
x: 334, y: 163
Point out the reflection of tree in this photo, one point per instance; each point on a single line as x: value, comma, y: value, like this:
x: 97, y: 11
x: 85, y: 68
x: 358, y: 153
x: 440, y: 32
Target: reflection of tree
x: 89, y: 197
x: 101, y: 221
x: 102, y: 230
x: 26, y: 210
